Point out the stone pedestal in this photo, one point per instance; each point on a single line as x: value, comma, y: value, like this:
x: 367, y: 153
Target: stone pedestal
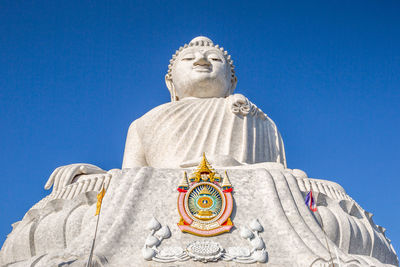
x: 60, y: 231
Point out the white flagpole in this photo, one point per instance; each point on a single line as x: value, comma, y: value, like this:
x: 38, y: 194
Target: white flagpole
x: 89, y: 263
x: 322, y: 227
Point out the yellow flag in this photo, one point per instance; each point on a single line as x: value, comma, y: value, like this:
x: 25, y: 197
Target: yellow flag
x: 99, y: 200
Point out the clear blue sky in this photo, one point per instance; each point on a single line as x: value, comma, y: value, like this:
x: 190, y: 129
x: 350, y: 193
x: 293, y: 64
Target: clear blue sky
x: 75, y: 74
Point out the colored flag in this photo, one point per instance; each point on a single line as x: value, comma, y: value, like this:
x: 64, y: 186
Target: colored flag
x: 310, y: 202
x: 99, y: 200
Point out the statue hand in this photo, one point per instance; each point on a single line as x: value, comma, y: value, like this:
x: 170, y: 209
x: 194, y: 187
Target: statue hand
x: 240, y: 105
x: 64, y: 175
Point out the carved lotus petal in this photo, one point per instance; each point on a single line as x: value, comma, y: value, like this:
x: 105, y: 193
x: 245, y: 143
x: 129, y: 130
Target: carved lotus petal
x: 257, y: 243
x: 164, y: 232
x: 255, y: 225
x: 148, y: 253
x: 205, y: 251
x: 153, y: 224
x: 260, y: 255
x: 246, y: 233
x: 152, y: 241
x: 205, y: 248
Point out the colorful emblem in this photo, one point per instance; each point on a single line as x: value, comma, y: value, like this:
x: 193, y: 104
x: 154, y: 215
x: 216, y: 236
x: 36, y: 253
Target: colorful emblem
x: 205, y: 202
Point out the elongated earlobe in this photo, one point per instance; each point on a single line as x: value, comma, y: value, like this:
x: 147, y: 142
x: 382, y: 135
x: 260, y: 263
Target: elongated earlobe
x: 233, y: 85
x: 171, y: 88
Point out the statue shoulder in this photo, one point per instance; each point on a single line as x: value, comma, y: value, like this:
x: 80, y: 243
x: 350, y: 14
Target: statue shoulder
x: 152, y: 114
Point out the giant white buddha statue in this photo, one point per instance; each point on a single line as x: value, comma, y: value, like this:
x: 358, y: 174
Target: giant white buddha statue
x: 203, y: 116
x: 203, y: 181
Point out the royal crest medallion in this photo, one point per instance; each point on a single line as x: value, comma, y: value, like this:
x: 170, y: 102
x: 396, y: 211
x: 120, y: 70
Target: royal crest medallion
x: 205, y: 202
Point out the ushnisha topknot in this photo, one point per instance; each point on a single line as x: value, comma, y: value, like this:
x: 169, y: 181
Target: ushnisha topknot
x: 202, y: 41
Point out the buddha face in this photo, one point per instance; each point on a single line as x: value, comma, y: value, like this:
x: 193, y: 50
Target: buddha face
x: 201, y: 71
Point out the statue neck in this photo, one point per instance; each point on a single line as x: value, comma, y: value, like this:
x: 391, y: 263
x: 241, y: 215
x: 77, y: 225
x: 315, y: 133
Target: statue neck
x: 198, y: 98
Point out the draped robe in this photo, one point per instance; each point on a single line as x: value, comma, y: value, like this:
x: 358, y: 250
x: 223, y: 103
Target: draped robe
x: 178, y: 132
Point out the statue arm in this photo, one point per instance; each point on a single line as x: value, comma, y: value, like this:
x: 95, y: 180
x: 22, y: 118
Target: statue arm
x: 282, y: 153
x: 134, y: 155
x: 240, y: 105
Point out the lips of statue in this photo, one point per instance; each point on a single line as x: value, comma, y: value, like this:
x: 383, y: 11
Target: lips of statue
x: 201, y: 72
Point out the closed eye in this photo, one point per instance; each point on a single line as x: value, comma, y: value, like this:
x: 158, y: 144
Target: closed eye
x: 216, y: 59
x: 188, y: 57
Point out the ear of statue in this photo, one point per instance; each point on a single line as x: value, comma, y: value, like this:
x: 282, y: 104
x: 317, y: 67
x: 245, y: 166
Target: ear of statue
x: 233, y: 85
x: 171, y: 88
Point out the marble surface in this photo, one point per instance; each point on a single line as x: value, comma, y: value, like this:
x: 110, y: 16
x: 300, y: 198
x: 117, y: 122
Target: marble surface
x: 176, y: 134
x: 61, y: 230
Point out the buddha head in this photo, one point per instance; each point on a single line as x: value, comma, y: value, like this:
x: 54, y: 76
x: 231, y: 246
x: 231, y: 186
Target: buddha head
x: 200, y: 69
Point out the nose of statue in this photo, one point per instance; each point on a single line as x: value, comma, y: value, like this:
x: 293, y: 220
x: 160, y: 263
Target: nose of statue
x: 201, y: 60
